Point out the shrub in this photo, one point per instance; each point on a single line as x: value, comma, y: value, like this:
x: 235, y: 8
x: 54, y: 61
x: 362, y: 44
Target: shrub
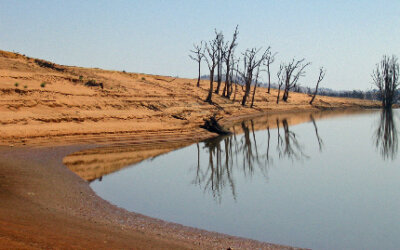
x: 81, y: 78
x: 143, y: 78
x: 25, y: 87
x: 16, y: 84
x: 43, y: 84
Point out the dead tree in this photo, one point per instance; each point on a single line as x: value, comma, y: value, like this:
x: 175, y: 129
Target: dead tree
x: 280, y: 82
x: 322, y: 73
x: 211, y: 60
x: 231, y: 80
x: 250, y: 63
x: 255, y: 86
x: 198, y: 56
x: 220, y: 58
x: 236, y: 80
x: 270, y: 58
x: 228, y: 58
x: 386, y: 78
x: 291, y: 75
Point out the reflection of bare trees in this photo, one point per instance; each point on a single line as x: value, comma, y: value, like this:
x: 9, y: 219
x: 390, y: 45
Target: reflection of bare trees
x: 241, y: 153
x: 289, y: 146
x: 218, y: 172
x: 320, y: 142
x: 385, y: 137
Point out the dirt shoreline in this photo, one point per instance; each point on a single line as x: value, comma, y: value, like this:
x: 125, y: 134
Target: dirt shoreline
x: 45, y: 205
x: 41, y: 194
x: 48, y: 206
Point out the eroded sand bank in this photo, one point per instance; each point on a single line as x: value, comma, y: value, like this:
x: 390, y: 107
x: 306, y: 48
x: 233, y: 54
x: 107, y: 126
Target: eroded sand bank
x: 45, y: 205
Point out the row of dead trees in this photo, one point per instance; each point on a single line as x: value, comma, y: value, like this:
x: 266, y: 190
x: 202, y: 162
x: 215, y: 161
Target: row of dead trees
x: 242, y: 73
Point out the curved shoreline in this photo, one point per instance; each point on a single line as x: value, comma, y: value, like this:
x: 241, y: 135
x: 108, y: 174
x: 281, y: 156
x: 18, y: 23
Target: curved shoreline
x: 48, y: 206
x: 50, y: 189
x: 45, y: 188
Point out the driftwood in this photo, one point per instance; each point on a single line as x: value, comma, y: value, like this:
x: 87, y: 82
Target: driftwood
x: 93, y: 83
x: 212, y: 125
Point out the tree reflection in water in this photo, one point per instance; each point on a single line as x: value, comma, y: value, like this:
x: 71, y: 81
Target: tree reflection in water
x: 225, y: 152
x: 385, y: 136
x: 290, y: 146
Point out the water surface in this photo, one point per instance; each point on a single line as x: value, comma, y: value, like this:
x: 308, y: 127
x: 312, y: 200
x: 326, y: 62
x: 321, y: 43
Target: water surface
x: 323, y: 184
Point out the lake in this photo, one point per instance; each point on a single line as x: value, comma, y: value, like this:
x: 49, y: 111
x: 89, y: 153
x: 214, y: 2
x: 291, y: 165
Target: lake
x: 329, y: 183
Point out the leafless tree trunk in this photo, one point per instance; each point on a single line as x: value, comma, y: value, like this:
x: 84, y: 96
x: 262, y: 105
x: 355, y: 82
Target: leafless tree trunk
x: 291, y: 75
x: 255, y: 87
x: 322, y: 73
x: 280, y: 82
x: 211, y: 48
x: 228, y: 56
x: 236, y: 80
x: 386, y: 78
x: 250, y: 63
x: 220, y: 57
x: 268, y: 61
x: 198, y: 55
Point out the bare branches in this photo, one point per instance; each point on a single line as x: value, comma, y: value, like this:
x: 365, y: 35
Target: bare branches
x: 229, y: 62
x: 270, y: 58
x: 322, y: 73
x: 386, y: 78
x: 221, y: 47
x: 280, y: 81
x: 250, y: 62
x: 291, y: 74
x: 255, y: 86
x: 211, y: 60
x: 198, y: 56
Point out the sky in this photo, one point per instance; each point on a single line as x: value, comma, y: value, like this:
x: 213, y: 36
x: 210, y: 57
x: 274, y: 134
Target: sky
x: 347, y: 37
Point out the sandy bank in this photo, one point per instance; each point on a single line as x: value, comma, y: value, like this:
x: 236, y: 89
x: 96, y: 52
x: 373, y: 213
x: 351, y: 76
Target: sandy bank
x: 129, y: 104
x: 45, y: 205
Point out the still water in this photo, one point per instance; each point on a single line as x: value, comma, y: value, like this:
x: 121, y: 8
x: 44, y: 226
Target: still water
x: 330, y: 183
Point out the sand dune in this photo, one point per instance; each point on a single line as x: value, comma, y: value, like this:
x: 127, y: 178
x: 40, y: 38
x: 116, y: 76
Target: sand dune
x: 129, y: 104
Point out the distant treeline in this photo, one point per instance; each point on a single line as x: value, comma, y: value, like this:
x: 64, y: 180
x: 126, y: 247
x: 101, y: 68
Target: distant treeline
x: 360, y: 94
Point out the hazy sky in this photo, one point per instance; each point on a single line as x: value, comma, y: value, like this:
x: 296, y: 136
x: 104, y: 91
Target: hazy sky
x: 346, y: 37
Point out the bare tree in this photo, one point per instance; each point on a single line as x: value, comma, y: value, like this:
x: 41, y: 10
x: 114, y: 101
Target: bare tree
x: 270, y: 58
x: 280, y: 81
x: 255, y: 86
x: 220, y: 57
x: 386, y: 78
x: 237, y: 78
x: 322, y: 73
x: 250, y: 63
x: 211, y: 60
x: 291, y: 75
x: 231, y: 80
x: 198, y: 56
x: 229, y: 62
